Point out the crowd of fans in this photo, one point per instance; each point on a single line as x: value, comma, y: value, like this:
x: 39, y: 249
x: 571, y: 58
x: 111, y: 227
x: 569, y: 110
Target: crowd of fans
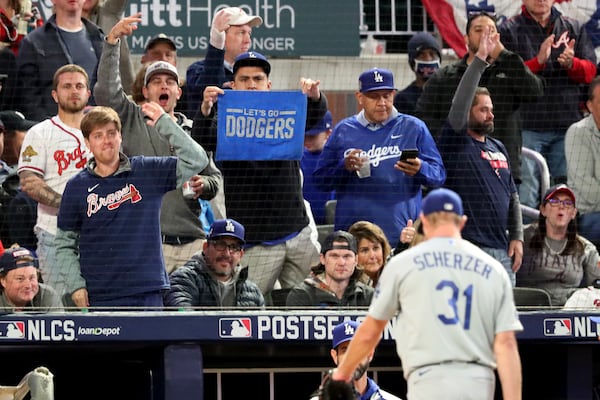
x: 249, y: 230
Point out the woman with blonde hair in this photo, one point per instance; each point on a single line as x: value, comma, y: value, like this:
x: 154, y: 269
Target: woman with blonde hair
x: 373, y: 248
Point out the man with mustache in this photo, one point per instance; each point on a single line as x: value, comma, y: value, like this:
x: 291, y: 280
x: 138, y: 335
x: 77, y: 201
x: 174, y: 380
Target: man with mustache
x: 52, y: 152
x: 214, y: 277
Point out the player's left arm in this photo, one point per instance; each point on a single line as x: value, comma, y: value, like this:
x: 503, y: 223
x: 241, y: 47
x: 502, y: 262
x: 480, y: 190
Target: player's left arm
x: 362, y: 344
x: 508, y: 364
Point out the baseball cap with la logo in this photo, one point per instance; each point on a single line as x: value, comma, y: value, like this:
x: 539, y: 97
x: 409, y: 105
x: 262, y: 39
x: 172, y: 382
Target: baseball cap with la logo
x: 343, y: 332
x: 376, y: 79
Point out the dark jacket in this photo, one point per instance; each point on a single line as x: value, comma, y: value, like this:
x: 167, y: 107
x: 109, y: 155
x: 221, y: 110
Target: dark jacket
x: 511, y: 84
x: 264, y: 196
x: 42, y: 52
x: 193, y: 286
x: 203, y: 73
x: 314, y: 292
x: 560, y: 105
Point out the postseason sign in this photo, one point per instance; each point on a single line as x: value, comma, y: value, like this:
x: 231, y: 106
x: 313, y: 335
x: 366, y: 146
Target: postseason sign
x: 261, y: 125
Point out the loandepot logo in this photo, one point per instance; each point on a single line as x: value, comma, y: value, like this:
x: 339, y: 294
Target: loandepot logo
x: 114, y: 331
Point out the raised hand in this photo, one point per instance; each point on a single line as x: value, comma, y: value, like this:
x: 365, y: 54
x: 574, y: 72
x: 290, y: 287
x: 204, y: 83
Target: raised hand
x: 566, y: 57
x: 487, y: 43
x: 124, y: 27
x: 310, y: 88
x: 545, y: 50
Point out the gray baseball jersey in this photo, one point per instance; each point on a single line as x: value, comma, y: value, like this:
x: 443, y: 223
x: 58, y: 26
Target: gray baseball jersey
x: 450, y: 298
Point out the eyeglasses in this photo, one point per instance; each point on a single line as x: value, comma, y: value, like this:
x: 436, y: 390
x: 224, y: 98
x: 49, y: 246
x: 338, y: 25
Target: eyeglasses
x: 481, y: 13
x: 222, y: 246
x: 557, y: 202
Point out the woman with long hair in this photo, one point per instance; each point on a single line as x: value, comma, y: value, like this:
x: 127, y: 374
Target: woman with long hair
x: 373, y: 248
x: 555, y: 257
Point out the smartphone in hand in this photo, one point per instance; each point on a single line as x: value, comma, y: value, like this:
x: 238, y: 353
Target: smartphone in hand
x: 408, y: 154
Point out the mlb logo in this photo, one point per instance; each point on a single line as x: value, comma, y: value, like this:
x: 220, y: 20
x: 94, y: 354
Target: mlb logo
x: 557, y: 327
x: 235, y: 328
x: 12, y: 330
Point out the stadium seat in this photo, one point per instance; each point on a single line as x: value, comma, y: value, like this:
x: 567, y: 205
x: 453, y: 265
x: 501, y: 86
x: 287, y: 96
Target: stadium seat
x: 324, y: 230
x: 279, y: 297
x: 530, y: 299
x: 330, y: 211
x: 543, y: 174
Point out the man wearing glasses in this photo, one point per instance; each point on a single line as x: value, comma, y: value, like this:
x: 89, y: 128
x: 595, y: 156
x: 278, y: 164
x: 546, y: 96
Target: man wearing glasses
x: 214, y: 277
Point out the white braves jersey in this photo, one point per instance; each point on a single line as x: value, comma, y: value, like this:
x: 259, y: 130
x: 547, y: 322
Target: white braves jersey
x: 56, y: 152
x: 450, y: 299
x: 584, y: 299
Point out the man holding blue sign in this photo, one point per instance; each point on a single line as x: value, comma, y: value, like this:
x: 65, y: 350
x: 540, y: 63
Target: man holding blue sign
x: 265, y: 195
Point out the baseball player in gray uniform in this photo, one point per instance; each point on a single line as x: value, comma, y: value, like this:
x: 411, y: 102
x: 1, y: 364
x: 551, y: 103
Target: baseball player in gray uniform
x: 455, y: 317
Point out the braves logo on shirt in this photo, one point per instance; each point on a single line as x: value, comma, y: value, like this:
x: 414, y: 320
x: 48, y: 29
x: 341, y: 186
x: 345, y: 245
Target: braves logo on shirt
x: 496, y: 159
x: 64, y: 159
x: 114, y: 200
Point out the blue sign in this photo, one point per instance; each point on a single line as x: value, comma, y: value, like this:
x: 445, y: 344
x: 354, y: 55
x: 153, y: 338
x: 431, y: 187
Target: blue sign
x: 261, y: 125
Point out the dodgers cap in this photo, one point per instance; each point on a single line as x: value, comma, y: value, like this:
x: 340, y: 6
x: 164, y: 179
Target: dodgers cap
x: 227, y: 227
x: 442, y: 200
x: 343, y: 332
x: 376, y: 79
x: 251, y: 59
x: 323, y: 125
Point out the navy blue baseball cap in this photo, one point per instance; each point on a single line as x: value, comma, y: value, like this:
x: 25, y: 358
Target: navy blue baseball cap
x: 17, y: 257
x: 376, y: 79
x: 227, y: 227
x: 252, y: 59
x: 343, y: 332
x: 442, y: 200
x: 323, y: 125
